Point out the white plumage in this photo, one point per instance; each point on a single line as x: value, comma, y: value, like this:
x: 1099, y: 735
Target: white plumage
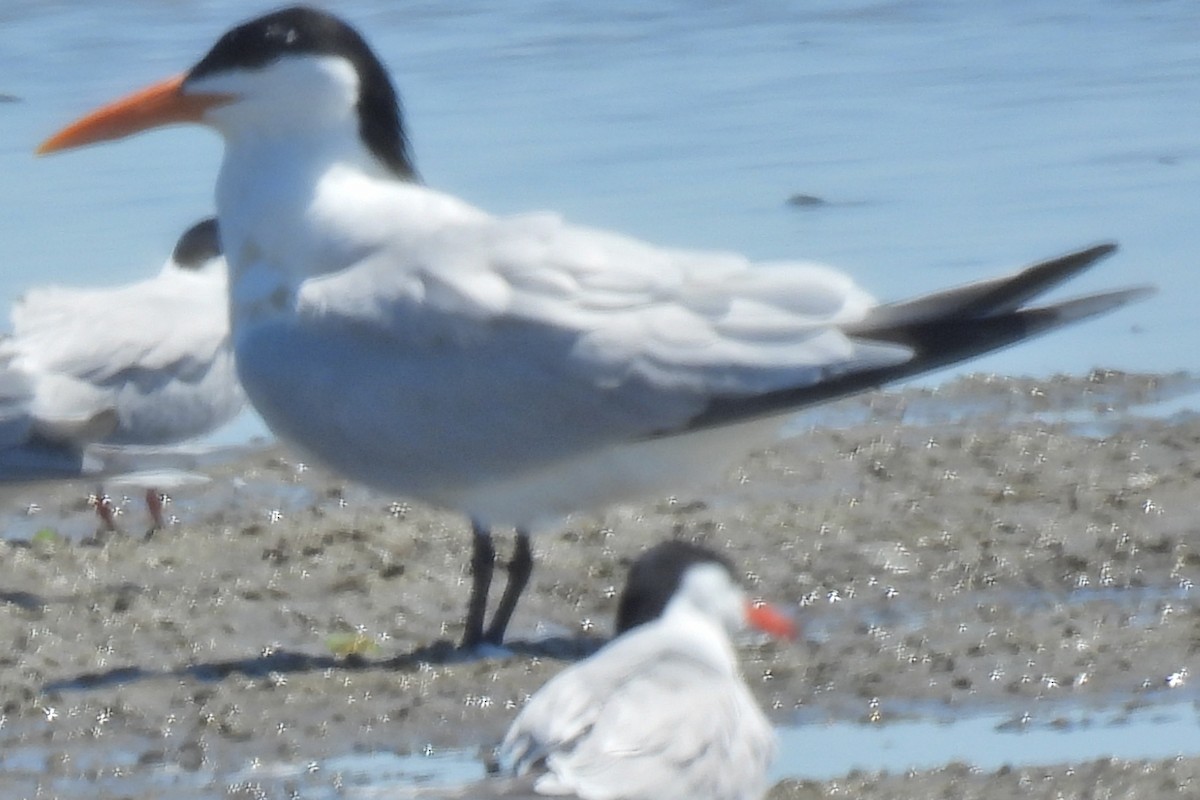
x: 148, y: 363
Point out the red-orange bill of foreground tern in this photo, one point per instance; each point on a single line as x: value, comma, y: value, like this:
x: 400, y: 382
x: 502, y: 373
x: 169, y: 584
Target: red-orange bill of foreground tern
x: 769, y: 619
x: 162, y: 103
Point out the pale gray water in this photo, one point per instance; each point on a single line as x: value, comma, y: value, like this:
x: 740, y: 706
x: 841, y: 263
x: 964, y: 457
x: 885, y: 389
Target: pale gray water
x: 814, y: 751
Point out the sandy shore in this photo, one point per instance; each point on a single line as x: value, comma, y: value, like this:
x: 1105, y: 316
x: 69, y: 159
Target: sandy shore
x: 997, y: 544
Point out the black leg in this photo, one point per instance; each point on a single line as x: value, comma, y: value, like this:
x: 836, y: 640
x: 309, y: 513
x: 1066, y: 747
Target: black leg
x: 483, y: 562
x: 519, y: 570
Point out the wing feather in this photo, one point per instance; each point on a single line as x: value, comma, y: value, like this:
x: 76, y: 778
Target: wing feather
x: 616, y: 326
x: 175, y: 320
x: 145, y: 363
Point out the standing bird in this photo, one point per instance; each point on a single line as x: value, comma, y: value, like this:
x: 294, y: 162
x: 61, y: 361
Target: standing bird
x: 149, y: 363
x: 516, y: 369
x: 660, y: 712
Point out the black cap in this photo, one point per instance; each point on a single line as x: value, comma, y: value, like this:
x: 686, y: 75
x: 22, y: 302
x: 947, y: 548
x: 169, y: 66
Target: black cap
x: 301, y: 30
x: 198, y: 245
x: 655, y: 577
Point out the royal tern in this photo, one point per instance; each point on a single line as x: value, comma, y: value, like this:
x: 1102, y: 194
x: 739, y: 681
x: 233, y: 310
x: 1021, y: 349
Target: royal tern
x: 516, y: 369
x: 661, y: 711
x: 149, y: 363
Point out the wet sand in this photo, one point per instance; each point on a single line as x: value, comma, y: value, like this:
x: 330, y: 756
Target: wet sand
x: 1014, y: 546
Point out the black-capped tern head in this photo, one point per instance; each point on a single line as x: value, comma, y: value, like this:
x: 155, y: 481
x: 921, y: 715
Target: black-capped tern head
x: 297, y: 72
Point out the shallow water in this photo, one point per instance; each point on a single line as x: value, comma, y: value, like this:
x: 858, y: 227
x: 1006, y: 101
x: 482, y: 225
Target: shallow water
x: 814, y: 751
x: 989, y: 741
x: 821, y: 751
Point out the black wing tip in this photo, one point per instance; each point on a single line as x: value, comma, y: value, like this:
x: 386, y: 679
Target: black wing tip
x: 1087, y: 256
x: 1038, y: 278
x: 1101, y: 249
x: 1076, y: 261
x: 655, y: 576
x: 1092, y: 305
x: 936, y: 345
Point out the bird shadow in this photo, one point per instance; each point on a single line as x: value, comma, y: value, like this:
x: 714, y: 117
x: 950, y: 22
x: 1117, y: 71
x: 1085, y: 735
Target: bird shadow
x: 284, y: 661
x: 26, y: 601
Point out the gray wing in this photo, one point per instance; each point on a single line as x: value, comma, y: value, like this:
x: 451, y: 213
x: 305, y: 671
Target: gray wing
x: 943, y: 328
x: 174, y: 322
x: 637, y: 338
x: 671, y: 727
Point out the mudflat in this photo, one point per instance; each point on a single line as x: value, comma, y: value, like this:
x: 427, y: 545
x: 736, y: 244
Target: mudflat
x: 1004, y: 545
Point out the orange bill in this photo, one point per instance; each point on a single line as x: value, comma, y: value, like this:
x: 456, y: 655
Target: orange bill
x: 769, y: 619
x: 162, y: 103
